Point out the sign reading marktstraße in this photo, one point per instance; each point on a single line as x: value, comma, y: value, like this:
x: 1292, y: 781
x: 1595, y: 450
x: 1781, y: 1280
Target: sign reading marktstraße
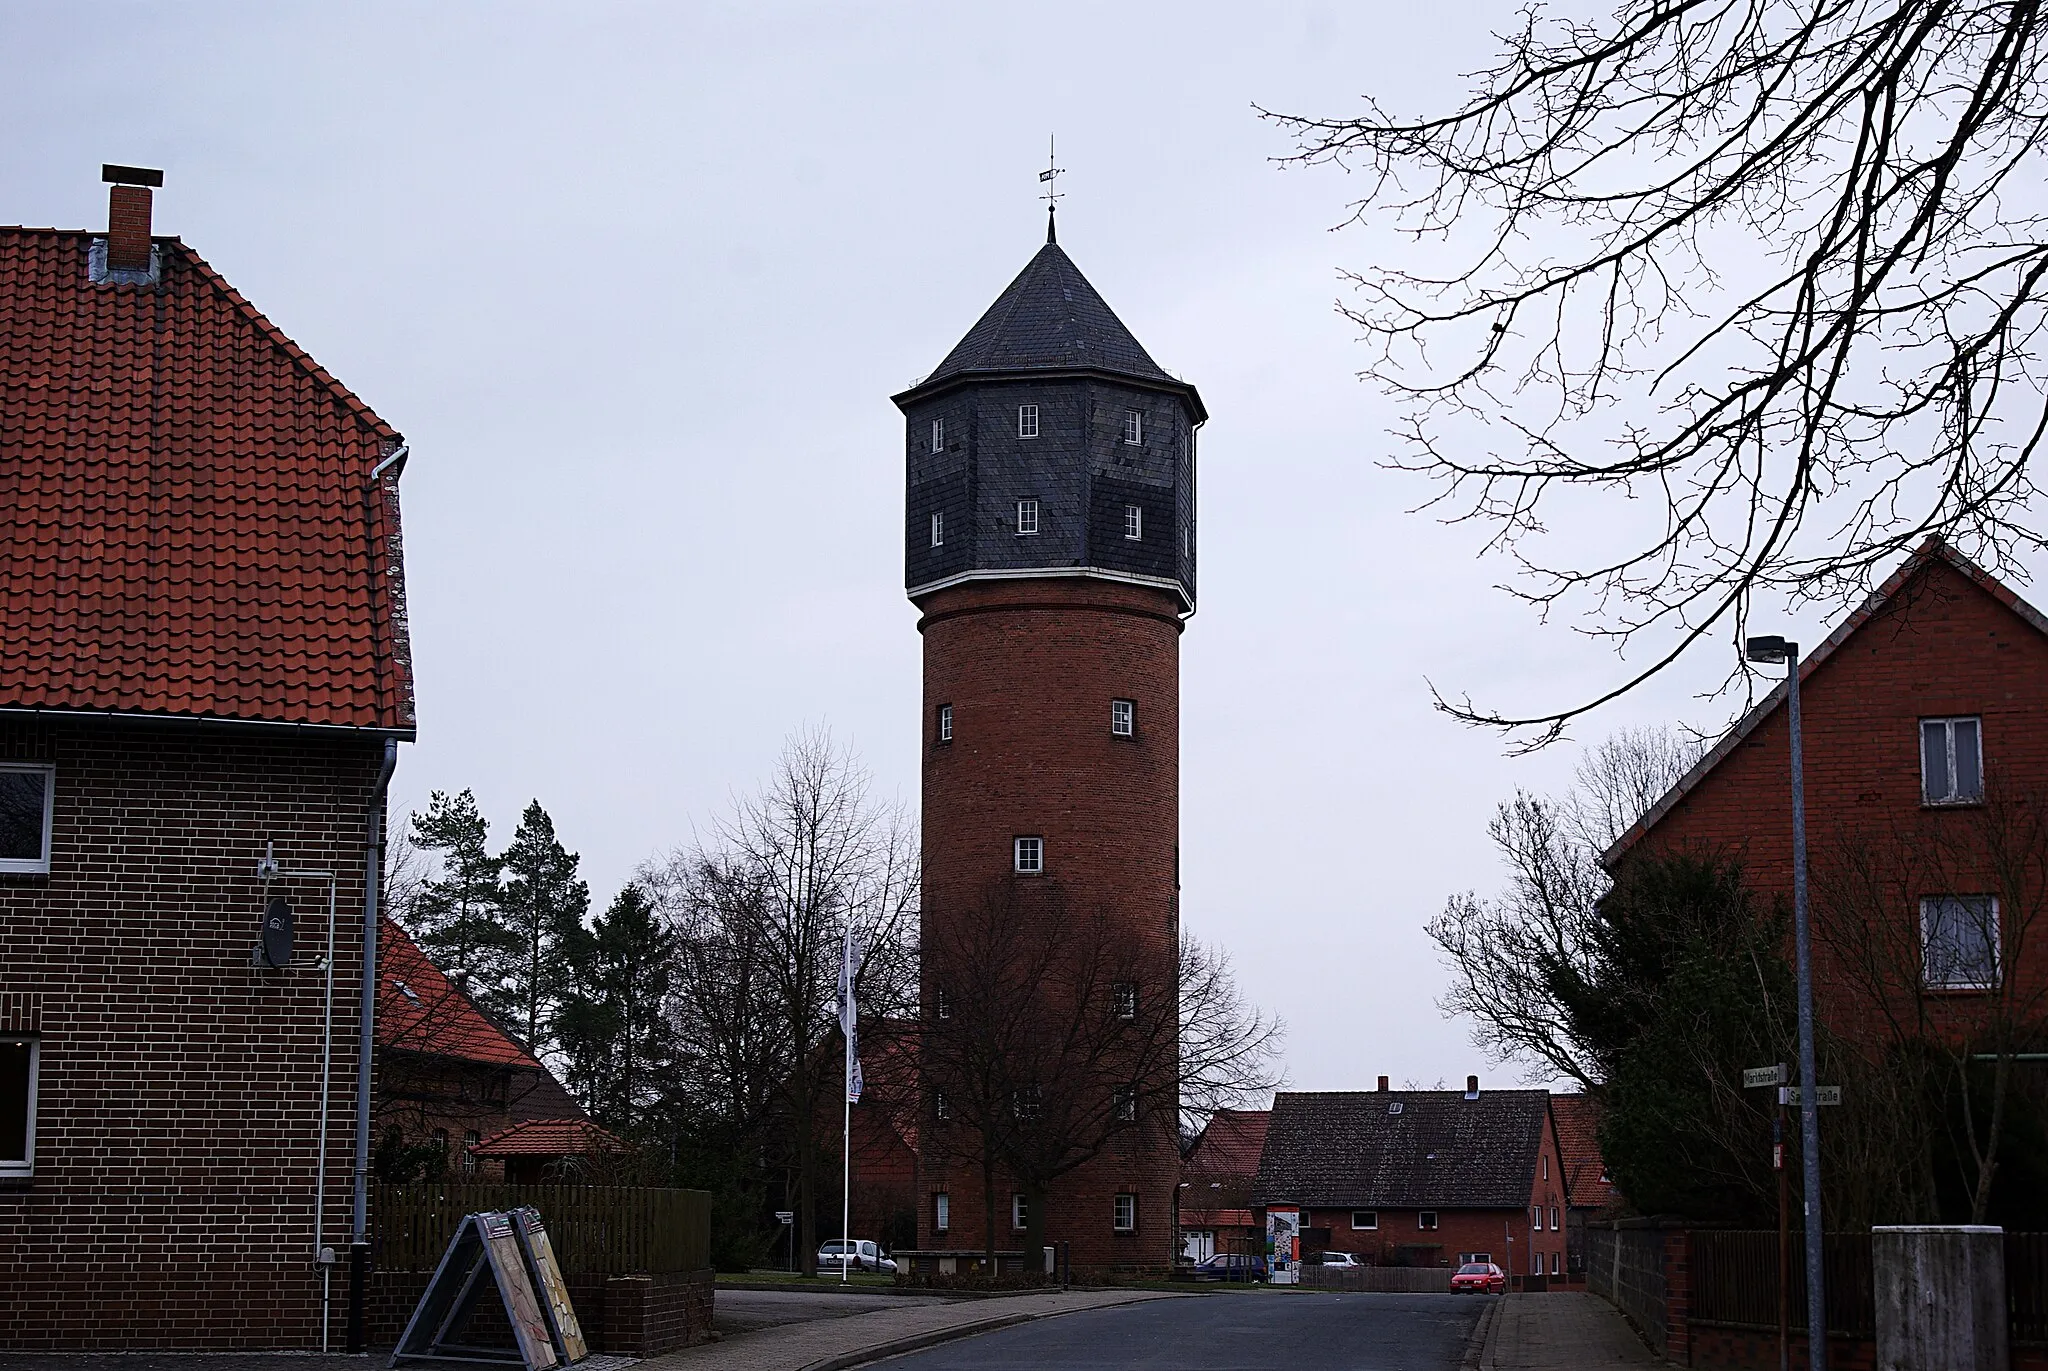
x: 1763, y: 1075
x: 1827, y: 1094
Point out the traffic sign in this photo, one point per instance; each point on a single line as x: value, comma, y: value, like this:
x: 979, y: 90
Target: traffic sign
x: 1827, y: 1094
x: 1763, y: 1075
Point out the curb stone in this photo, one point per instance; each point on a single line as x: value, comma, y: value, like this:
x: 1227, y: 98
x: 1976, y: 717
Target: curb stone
x: 1479, y: 1344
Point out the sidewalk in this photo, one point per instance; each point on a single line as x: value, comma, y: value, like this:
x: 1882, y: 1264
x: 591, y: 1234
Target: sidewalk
x: 834, y: 1344
x: 1565, y: 1331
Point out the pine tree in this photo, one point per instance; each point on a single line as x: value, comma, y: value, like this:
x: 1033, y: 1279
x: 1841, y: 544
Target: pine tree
x: 616, y: 1038
x: 456, y: 915
x: 543, y: 901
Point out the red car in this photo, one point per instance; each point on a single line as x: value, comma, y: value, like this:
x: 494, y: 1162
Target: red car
x: 1484, y: 1277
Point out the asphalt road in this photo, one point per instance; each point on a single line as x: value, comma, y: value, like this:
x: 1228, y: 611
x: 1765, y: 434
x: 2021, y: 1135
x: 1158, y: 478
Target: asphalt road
x: 1240, y: 1332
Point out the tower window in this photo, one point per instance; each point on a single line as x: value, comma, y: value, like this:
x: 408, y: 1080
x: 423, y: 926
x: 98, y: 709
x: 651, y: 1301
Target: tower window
x: 938, y: 530
x: 1124, y: 1214
x: 942, y: 1003
x: 942, y: 1108
x: 1123, y: 998
x: 1134, y: 426
x: 938, y: 435
x: 1027, y: 421
x: 1030, y: 856
x: 1027, y: 518
x: 1123, y: 717
x: 1134, y: 522
x: 1951, y: 761
x: 1123, y: 1103
x: 945, y: 723
x: 1020, y: 1212
x: 942, y: 1212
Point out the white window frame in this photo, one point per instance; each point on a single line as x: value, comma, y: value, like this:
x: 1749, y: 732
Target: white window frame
x: 1027, y: 421
x: 1371, y: 1224
x: 1546, y: 1166
x: 942, y: 1003
x: 1426, y: 1221
x: 1028, y: 855
x: 1123, y: 1212
x: 35, y: 866
x: 15, y: 1168
x: 1134, y: 427
x: 1134, y: 523
x: 942, y: 1212
x: 1553, y: 1218
x: 1536, y: 1217
x: 1020, y: 1211
x: 938, y: 528
x: 938, y: 435
x: 1948, y: 794
x: 1928, y: 904
x: 945, y: 723
x: 1555, y: 1268
x: 1027, y: 518
x: 1123, y: 718
x: 1123, y: 1000
x: 1535, y: 1262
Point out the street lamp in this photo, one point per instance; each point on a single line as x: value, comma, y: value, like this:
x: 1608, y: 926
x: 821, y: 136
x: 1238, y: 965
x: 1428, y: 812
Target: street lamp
x: 1778, y: 650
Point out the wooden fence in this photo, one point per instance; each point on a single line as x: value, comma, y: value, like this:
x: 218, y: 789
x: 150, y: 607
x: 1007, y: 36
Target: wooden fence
x: 1424, y: 1280
x: 595, y: 1230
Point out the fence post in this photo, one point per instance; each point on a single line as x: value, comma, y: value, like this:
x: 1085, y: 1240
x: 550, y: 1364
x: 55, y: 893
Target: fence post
x: 1678, y: 1295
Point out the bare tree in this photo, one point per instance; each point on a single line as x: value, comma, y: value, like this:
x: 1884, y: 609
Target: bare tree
x: 1229, y: 1051
x: 1934, y: 919
x: 1776, y: 266
x: 1508, y: 954
x: 764, y: 905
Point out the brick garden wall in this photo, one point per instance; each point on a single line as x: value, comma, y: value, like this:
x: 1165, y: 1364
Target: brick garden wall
x: 177, y: 1118
x: 637, y: 1316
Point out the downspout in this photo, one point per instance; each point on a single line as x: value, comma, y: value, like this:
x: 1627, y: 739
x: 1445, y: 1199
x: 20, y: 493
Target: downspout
x: 359, y: 1241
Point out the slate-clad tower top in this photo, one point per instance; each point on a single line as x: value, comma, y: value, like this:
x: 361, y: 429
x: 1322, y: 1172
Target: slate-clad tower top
x: 1049, y: 443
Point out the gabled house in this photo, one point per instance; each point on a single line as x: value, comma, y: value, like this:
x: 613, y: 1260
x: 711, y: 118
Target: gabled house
x: 203, y: 661
x: 1218, y: 1178
x: 450, y: 1079
x: 1925, y: 728
x: 1589, y: 1194
x: 1421, y: 1177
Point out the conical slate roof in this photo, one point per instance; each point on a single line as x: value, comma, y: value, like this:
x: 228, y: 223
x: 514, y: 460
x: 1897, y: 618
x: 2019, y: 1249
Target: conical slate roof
x: 1049, y: 319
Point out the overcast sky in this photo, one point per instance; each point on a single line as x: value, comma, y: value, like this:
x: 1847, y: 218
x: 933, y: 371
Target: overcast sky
x: 636, y: 282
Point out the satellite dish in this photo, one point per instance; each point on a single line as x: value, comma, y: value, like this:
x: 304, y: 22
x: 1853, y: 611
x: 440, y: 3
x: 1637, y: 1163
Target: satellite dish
x: 277, y: 930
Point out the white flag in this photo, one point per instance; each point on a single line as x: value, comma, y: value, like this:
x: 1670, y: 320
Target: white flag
x: 848, y: 1020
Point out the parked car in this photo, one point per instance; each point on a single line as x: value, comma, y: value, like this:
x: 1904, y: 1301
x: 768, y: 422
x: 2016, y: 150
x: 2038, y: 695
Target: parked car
x: 1229, y: 1266
x: 1347, y: 1260
x: 865, y: 1255
x: 1483, y: 1277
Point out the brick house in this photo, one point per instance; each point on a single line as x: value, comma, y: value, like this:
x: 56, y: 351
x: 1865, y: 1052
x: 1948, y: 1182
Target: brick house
x: 1925, y: 719
x: 1421, y: 1177
x: 1218, y: 1179
x: 1589, y: 1194
x: 447, y: 1076
x: 203, y: 659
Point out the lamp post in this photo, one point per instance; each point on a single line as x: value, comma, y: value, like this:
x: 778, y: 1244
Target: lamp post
x: 1779, y: 650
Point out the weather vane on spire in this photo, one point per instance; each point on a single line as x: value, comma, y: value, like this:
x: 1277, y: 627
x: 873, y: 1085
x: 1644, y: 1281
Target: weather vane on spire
x: 1049, y: 178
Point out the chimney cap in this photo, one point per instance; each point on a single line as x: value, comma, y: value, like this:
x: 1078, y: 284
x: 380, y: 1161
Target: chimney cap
x: 130, y: 176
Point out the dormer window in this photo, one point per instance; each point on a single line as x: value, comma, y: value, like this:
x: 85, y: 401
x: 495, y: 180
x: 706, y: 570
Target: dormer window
x: 1134, y: 522
x: 1134, y: 426
x: 938, y: 530
x: 1027, y: 518
x: 938, y: 435
x: 1027, y: 421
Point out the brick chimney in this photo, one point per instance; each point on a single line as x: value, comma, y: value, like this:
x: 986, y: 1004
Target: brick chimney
x: 1471, y: 1087
x: 128, y: 215
x: 1383, y: 1083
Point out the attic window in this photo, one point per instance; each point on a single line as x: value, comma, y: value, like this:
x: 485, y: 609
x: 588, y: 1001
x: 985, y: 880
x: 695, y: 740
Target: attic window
x: 938, y: 435
x: 1394, y: 1107
x: 1027, y: 518
x: 1134, y: 426
x: 1951, y: 761
x: 1027, y: 421
x: 1134, y: 522
x: 1426, y: 1220
x: 938, y: 530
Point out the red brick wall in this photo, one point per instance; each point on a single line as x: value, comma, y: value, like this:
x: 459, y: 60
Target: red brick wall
x: 1030, y: 668
x: 173, y: 1199
x: 636, y: 1316
x: 1944, y: 647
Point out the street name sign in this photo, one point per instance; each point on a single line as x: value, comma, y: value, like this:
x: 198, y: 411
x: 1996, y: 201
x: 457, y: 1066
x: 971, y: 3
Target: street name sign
x: 1827, y: 1094
x: 1763, y: 1075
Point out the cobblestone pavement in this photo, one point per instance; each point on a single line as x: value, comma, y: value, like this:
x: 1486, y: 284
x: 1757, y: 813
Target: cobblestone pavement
x: 1561, y: 1331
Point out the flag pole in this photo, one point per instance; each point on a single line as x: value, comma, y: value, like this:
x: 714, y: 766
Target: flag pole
x: 846, y: 1190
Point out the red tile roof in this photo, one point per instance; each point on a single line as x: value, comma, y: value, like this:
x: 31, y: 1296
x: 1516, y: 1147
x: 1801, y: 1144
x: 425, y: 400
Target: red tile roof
x: 552, y: 1138
x: 187, y: 525
x: 1231, y: 1143
x: 420, y: 1010
x: 1578, y: 1142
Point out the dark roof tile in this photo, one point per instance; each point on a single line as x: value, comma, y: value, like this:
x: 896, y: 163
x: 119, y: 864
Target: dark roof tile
x: 1441, y: 1151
